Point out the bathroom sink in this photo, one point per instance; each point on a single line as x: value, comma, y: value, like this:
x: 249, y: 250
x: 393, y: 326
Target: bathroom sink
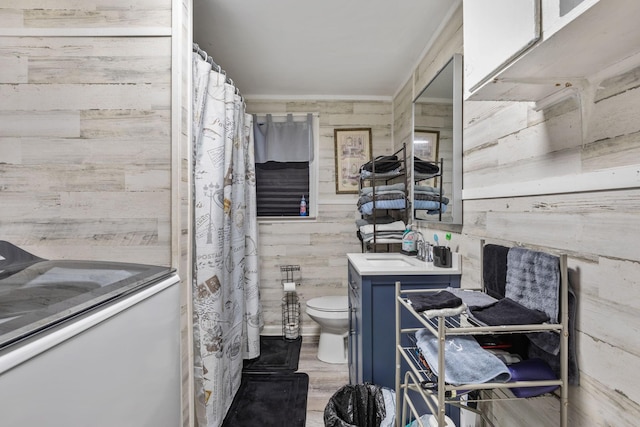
x: 388, y: 262
x: 378, y: 264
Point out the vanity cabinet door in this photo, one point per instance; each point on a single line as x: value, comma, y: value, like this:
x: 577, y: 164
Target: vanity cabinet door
x: 379, y: 323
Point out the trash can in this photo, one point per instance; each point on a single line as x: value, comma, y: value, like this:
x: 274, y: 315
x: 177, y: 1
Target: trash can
x: 361, y: 405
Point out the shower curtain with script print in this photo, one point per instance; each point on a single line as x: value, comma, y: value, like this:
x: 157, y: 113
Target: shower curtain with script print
x: 227, y: 315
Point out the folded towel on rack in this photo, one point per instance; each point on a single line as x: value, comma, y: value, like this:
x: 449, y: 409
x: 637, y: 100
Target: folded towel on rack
x: 533, y: 280
x: 465, y: 361
x: 446, y: 312
x: 434, y: 300
x: 364, y: 174
x: 393, y: 226
x: 391, y: 203
x: 379, y: 219
x: 386, y: 236
x: 546, y: 345
x: 387, y: 200
x: 433, y: 197
x: 424, y: 166
x: 472, y: 298
x: 507, y: 312
x: 531, y: 370
x: 494, y: 269
x: 430, y: 207
x: 382, y: 188
x: 382, y: 164
x: 386, y: 195
x: 425, y: 189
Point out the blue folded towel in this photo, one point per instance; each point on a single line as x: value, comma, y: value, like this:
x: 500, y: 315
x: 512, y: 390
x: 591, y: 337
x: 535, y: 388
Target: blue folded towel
x: 465, y: 361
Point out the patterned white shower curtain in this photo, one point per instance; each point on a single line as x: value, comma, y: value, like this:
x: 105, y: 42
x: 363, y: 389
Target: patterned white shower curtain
x: 226, y: 303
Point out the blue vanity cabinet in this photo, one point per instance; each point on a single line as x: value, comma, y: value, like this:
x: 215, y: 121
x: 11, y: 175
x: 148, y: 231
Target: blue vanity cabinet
x: 372, y: 319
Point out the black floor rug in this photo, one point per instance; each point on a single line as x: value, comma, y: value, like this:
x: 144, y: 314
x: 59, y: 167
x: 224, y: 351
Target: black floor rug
x: 276, y: 355
x: 269, y: 400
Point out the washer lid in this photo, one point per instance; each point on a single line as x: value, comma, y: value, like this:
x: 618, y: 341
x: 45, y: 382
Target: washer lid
x: 330, y: 303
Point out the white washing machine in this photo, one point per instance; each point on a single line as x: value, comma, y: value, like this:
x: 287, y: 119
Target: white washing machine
x: 88, y: 343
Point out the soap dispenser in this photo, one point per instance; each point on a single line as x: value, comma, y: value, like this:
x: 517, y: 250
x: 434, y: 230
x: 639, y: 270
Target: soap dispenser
x: 409, y: 241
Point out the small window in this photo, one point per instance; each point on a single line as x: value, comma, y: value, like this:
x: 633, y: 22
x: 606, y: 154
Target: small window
x: 280, y: 187
x: 286, y: 170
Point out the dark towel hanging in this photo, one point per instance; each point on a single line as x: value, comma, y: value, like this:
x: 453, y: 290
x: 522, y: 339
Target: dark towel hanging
x: 494, y: 269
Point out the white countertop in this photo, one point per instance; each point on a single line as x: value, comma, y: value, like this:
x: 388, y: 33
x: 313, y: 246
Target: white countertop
x: 384, y: 264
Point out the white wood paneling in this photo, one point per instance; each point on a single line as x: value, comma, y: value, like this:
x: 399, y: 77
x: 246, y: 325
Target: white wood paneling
x: 85, y: 14
x: 85, y: 129
x: 540, y: 180
x: 584, y: 144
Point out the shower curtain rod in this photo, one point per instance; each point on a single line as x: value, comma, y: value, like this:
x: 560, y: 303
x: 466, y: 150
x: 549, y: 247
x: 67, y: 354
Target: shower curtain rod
x: 210, y: 60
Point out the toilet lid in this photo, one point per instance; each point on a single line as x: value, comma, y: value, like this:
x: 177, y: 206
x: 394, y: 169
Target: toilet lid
x: 330, y: 303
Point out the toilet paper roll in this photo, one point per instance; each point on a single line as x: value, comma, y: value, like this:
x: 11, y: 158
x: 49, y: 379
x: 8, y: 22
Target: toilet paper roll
x: 289, y: 286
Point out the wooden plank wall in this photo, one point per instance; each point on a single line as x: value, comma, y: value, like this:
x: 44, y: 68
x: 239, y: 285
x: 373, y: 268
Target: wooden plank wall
x: 87, y: 165
x: 320, y: 246
x: 510, y: 141
x: 85, y: 130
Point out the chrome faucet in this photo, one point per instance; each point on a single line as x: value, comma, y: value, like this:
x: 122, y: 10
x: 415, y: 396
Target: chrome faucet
x: 422, y: 247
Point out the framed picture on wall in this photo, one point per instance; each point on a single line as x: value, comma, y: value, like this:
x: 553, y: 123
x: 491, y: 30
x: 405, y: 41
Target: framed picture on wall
x: 425, y: 145
x: 353, y: 149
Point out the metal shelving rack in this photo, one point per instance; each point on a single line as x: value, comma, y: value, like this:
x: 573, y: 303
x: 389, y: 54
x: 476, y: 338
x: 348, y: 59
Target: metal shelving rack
x: 435, y: 393
x: 386, y: 178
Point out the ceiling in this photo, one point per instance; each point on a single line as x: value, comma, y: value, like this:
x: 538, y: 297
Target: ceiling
x: 318, y: 49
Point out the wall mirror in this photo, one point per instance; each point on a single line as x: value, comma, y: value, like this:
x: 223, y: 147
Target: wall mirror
x: 437, y: 137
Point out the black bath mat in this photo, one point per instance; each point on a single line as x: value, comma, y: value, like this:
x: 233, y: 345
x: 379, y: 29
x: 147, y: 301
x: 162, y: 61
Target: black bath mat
x: 276, y: 355
x: 269, y: 400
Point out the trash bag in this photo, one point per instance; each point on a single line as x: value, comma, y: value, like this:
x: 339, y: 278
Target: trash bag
x: 359, y: 405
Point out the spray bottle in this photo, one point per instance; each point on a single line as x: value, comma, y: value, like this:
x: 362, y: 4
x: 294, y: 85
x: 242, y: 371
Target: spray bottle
x: 303, y: 206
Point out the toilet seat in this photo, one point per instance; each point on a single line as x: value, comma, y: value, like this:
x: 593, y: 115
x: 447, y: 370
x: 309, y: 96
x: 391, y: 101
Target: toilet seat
x: 329, y: 303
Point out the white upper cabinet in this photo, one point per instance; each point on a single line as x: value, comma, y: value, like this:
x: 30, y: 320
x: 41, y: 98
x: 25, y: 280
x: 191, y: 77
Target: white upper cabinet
x: 487, y: 49
x: 533, y: 50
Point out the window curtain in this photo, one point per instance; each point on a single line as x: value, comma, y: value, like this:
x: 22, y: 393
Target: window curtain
x: 288, y: 141
x: 227, y: 315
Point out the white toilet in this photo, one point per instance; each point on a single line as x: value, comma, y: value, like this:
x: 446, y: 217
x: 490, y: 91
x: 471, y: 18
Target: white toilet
x: 332, y: 314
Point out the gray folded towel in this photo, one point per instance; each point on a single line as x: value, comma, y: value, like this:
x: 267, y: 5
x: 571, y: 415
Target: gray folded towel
x: 472, y: 298
x: 546, y: 345
x: 533, y: 280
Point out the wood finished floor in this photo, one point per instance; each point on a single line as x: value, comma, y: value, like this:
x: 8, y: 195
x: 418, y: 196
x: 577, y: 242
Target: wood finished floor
x: 324, y: 380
